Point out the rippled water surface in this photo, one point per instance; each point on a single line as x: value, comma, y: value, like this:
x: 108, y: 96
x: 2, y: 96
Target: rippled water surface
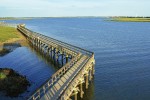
x: 28, y: 62
x: 122, y: 54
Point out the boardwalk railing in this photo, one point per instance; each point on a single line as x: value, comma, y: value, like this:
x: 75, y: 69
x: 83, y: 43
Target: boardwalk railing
x: 75, y: 82
x: 53, y: 79
x: 66, y: 45
x: 64, y: 83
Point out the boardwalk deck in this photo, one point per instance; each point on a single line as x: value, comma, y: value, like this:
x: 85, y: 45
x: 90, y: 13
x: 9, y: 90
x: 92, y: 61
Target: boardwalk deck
x: 59, y: 86
x: 64, y: 83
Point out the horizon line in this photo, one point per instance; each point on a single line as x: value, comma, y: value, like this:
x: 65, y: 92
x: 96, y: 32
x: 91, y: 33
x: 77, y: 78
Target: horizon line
x: 65, y: 16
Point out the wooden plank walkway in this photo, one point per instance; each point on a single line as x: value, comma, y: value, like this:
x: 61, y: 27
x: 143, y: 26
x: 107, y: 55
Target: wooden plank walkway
x: 64, y: 81
x: 62, y: 84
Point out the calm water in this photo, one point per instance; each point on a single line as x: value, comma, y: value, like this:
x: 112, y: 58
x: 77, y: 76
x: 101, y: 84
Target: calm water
x: 122, y: 53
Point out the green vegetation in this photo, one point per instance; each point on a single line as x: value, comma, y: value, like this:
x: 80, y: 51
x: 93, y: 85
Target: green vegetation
x: 2, y: 75
x: 7, y: 18
x: 15, y: 18
x: 7, y: 33
x: 12, y: 83
x: 130, y: 19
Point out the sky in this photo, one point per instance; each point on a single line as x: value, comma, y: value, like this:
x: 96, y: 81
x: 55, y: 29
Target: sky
x: 60, y: 8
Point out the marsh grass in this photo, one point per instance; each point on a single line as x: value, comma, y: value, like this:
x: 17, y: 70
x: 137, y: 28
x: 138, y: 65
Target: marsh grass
x: 134, y: 19
x: 7, y: 33
x: 16, y: 18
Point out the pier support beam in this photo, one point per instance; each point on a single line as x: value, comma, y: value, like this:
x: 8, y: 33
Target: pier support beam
x: 38, y: 43
x: 81, y: 87
x: 90, y: 73
x: 57, y: 57
x: 75, y: 96
x: 51, y: 52
x: 62, y: 58
x: 75, y: 92
x: 54, y: 53
x: 66, y: 58
x: 43, y: 48
x: 81, y: 91
x: 40, y: 47
x: 93, y: 70
x: 87, y: 80
x: 48, y: 50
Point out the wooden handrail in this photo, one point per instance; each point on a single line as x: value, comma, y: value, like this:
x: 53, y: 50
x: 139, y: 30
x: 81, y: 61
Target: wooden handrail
x: 57, y: 75
x: 69, y: 89
x: 52, y: 78
x: 60, y: 42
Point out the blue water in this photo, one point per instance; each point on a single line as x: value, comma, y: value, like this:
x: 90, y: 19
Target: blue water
x: 26, y: 61
x: 122, y: 54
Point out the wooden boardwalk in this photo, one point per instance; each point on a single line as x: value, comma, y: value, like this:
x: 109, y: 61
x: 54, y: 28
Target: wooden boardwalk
x: 78, y: 67
x: 64, y: 81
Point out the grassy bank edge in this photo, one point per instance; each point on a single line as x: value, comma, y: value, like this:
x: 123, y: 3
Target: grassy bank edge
x: 126, y: 19
x: 10, y: 35
x: 15, y: 18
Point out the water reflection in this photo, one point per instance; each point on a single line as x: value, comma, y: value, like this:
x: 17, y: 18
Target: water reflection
x: 8, y: 47
x: 121, y: 52
x: 46, y: 57
x: 88, y: 93
x: 29, y: 62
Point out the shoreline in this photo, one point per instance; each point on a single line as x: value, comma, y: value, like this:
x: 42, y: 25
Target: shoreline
x: 15, y: 18
x: 128, y: 19
x: 19, y: 39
